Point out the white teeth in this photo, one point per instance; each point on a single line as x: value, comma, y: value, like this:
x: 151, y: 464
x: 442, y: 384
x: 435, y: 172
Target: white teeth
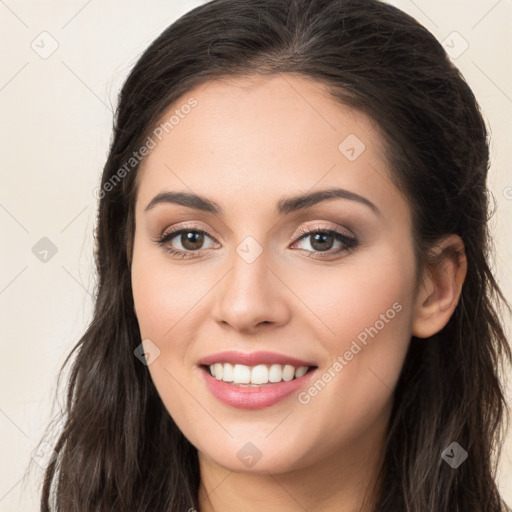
x: 288, y: 372
x: 218, y: 371
x: 227, y: 372
x: 241, y: 374
x: 260, y: 374
x: 299, y: 372
x: 275, y: 373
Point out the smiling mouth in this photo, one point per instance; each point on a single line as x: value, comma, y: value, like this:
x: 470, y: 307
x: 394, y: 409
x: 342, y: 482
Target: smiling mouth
x: 256, y: 376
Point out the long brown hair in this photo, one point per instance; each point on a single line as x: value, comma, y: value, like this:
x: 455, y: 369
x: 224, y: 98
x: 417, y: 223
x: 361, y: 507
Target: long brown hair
x: 119, y: 449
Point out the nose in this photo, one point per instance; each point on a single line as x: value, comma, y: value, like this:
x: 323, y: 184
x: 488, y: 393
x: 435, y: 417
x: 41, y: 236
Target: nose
x: 252, y: 294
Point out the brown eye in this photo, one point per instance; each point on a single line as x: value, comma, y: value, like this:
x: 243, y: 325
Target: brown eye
x: 184, y: 242
x: 323, y: 240
x: 191, y: 240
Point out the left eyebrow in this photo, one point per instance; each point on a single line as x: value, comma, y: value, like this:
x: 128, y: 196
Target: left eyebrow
x: 302, y: 202
x: 284, y: 206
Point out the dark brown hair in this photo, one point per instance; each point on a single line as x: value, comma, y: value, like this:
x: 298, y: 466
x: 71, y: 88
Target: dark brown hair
x: 119, y: 449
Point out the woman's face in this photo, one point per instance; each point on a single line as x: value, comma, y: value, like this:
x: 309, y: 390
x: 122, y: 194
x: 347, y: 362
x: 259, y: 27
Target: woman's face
x: 264, y: 275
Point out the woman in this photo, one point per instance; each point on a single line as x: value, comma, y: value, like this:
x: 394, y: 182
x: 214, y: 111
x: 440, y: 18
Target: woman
x: 295, y: 308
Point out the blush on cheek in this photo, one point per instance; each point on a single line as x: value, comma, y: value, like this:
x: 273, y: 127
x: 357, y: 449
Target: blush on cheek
x: 153, y: 290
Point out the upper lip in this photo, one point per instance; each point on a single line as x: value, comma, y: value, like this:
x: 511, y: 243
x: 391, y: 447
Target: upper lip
x: 253, y: 359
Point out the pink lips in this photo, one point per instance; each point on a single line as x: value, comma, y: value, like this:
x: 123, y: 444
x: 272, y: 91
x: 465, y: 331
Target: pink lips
x: 257, y: 397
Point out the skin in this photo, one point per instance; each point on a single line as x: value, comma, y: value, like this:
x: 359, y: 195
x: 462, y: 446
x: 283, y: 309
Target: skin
x: 248, y: 143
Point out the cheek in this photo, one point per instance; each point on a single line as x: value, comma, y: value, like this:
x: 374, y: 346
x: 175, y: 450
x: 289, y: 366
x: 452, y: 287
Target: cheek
x: 169, y: 302
x: 152, y: 304
x: 162, y: 295
x: 369, y: 311
x: 363, y: 291
x: 163, y: 300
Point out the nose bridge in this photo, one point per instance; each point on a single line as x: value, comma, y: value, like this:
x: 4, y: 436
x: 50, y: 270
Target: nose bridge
x: 251, y: 294
x: 248, y: 280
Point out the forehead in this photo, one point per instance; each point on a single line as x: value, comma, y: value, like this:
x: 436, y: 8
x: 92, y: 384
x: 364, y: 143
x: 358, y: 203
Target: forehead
x: 278, y: 109
x: 263, y: 136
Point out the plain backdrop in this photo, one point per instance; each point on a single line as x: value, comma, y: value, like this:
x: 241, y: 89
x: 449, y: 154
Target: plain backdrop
x: 62, y: 65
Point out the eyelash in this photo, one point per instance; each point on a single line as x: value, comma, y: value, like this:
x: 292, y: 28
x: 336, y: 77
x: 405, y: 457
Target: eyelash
x: 349, y: 242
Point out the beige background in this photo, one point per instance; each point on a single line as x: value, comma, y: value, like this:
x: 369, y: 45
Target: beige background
x: 55, y: 130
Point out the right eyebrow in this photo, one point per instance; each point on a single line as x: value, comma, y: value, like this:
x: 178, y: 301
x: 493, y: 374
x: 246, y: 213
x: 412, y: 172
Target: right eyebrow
x: 185, y: 199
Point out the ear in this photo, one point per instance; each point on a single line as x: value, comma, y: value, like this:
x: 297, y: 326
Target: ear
x: 440, y: 290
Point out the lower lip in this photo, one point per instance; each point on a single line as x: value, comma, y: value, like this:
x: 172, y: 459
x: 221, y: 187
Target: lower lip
x: 244, y: 397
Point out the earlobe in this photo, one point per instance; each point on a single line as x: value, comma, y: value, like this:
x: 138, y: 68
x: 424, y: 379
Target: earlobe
x: 441, y: 288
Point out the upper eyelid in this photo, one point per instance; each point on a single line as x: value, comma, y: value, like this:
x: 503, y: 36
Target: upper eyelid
x: 178, y: 229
